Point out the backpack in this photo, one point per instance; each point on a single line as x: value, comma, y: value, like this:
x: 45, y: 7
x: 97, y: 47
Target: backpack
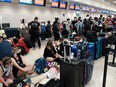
x: 40, y: 64
x: 48, y: 27
x: 43, y: 28
x: 53, y: 83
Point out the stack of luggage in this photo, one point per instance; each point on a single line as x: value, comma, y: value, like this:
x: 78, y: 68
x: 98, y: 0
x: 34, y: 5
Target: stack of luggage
x: 77, y: 67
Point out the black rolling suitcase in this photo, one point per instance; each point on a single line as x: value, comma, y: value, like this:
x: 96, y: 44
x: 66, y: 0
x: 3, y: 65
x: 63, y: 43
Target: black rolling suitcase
x: 71, y: 71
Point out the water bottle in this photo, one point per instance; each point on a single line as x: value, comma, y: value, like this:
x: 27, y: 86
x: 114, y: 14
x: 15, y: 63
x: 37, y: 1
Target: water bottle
x: 78, y: 54
x: 72, y: 55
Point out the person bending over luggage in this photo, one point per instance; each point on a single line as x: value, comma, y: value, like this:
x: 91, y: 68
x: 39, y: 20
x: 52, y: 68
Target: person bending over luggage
x: 50, y: 53
x: 6, y: 77
x: 20, y: 68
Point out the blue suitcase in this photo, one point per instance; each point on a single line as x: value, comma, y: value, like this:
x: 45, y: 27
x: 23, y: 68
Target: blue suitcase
x: 99, y: 48
x: 92, y: 50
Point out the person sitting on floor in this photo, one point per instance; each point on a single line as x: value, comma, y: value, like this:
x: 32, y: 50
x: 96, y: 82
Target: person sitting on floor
x: 50, y: 74
x: 19, y: 42
x: 50, y: 53
x: 6, y: 77
x: 20, y: 67
x: 60, y: 47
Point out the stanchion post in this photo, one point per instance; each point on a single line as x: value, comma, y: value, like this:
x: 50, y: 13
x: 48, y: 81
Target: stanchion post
x: 105, y: 67
x: 113, y: 62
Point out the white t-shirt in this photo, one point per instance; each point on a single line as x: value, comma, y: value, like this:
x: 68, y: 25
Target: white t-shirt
x: 5, y: 71
x: 22, y: 26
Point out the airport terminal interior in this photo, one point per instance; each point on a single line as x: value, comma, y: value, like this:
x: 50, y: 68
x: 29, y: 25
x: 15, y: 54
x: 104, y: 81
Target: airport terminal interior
x: 57, y: 43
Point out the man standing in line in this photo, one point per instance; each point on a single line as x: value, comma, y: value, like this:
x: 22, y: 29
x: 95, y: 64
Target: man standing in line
x: 35, y: 32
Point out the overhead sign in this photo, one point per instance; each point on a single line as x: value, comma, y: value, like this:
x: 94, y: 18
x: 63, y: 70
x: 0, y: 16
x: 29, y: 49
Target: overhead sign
x: 5, y: 0
x: 40, y: 2
x: 26, y: 1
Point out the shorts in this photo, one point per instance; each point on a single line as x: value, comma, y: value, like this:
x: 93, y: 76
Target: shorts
x: 1, y: 84
x: 0, y: 81
x: 52, y: 73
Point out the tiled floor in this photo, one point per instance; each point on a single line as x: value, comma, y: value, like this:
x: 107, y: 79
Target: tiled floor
x: 97, y: 72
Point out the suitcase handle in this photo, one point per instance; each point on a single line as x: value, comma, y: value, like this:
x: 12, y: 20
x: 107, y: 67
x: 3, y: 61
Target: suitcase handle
x: 65, y: 56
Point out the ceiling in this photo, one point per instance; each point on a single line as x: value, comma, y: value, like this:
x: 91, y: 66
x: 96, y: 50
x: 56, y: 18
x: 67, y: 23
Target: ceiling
x: 111, y: 1
x: 105, y: 4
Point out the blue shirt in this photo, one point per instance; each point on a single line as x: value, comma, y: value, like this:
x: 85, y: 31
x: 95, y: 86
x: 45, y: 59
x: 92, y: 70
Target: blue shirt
x: 43, y: 28
x: 5, y: 49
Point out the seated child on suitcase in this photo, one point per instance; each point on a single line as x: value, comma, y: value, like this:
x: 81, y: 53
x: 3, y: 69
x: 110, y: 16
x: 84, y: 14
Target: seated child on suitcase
x: 6, y: 72
x: 20, y: 67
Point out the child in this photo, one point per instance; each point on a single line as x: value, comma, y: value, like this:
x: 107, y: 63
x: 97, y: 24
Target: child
x: 6, y: 72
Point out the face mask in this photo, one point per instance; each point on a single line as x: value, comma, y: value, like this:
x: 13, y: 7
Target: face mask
x: 18, y: 54
x: 87, y: 17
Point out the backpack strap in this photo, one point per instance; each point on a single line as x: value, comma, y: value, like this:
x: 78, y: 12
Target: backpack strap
x: 2, y: 67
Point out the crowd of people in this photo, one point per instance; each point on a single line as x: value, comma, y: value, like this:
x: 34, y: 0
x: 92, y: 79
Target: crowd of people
x: 12, y: 64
